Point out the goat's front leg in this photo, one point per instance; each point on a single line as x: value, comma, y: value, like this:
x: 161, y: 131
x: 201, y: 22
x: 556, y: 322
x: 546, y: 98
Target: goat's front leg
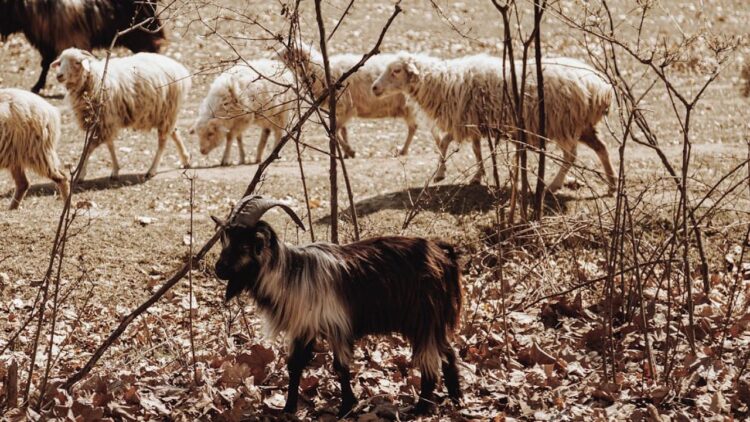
x: 262, y: 145
x: 344, y: 142
x: 299, y: 357
x: 348, y: 401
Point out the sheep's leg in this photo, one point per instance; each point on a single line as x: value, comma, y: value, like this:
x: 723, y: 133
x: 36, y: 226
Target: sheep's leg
x: 569, y: 157
x: 348, y: 401
x: 476, y: 146
x: 262, y: 144
x: 590, y: 138
x: 450, y: 374
x: 84, y: 166
x: 300, y: 356
x: 115, y: 165
x: 412, y: 129
x: 60, y: 179
x: 47, y: 58
x: 22, y: 186
x: 184, y: 156
x: 443, y: 151
x: 344, y: 142
x: 241, y: 148
x: 227, y: 150
x: 157, y: 158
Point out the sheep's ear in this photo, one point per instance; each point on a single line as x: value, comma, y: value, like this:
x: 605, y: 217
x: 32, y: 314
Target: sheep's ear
x: 411, y: 69
x: 55, y: 64
x: 86, y: 65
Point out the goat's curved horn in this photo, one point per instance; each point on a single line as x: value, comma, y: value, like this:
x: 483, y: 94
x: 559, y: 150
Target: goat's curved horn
x: 251, y: 208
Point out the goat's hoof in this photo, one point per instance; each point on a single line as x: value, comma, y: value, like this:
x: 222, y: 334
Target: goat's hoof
x: 226, y: 163
x: 290, y: 409
x: 346, y: 409
x: 476, y: 181
x: 114, y: 176
x: 438, y: 178
x: 150, y: 175
x: 423, y: 407
x: 403, y: 153
x: 350, y: 154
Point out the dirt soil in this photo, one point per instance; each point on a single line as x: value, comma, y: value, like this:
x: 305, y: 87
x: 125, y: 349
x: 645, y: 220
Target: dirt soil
x: 131, y: 234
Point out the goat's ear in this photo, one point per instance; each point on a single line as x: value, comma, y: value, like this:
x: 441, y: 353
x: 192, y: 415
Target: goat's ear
x: 219, y: 222
x: 55, y: 64
x: 86, y: 64
x: 260, y: 242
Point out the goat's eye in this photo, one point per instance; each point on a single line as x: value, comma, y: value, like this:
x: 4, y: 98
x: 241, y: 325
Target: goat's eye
x: 397, y: 71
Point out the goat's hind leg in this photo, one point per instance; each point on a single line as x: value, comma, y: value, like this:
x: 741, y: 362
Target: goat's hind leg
x: 427, y: 358
x: 299, y: 357
x: 450, y: 374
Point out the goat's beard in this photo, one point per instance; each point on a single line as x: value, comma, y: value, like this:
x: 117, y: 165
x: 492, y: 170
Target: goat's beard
x: 235, y: 286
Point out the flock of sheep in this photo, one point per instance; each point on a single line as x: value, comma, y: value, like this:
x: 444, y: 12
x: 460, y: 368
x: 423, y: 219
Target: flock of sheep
x: 463, y: 97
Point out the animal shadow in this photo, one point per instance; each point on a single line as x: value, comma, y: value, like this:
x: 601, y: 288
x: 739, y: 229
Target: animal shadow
x: 102, y: 183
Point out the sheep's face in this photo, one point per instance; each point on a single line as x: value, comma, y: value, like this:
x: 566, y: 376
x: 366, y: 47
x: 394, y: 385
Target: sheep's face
x: 396, y: 78
x: 72, y: 67
x: 210, y: 135
x: 245, y: 250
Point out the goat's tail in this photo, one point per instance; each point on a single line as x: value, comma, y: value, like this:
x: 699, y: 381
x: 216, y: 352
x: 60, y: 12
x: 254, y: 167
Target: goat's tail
x: 452, y: 282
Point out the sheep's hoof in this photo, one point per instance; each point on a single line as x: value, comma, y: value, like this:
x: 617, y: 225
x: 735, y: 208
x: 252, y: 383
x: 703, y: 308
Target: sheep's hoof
x: 150, y: 175
x: 476, y: 180
x: 290, y: 409
x: 350, y: 154
x: 438, y: 178
x: 403, y: 152
x: 114, y: 176
x: 186, y: 165
x: 227, y: 163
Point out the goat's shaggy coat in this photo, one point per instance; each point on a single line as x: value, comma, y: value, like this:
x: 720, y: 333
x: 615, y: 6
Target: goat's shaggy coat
x: 254, y: 93
x: 142, y: 92
x: 29, y: 133
x: 51, y: 26
x: 410, y: 286
x: 357, y: 99
x: 466, y: 98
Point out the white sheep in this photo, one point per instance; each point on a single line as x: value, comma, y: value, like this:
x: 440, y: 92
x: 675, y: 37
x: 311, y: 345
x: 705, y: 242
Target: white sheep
x: 357, y: 99
x: 143, y: 91
x: 254, y: 93
x: 29, y: 133
x: 465, y: 97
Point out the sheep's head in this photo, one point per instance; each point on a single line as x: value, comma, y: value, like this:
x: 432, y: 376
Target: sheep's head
x: 73, y: 67
x: 210, y: 134
x: 396, y: 77
x: 247, y: 244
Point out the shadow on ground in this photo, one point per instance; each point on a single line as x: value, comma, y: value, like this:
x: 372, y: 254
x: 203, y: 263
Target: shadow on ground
x: 455, y: 199
x: 102, y: 183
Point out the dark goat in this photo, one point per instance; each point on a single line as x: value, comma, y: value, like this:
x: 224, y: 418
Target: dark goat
x: 383, y: 285
x: 51, y: 26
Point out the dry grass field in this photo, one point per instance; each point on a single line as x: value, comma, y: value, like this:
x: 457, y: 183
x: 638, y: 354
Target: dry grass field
x: 521, y: 357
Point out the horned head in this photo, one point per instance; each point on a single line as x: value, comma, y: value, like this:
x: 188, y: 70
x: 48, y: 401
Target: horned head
x: 248, y: 244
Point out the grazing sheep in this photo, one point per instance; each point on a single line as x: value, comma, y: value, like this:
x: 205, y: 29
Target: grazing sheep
x: 466, y: 99
x: 383, y: 285
x: 243, y: 95
x: 142, y: 92
x: 52, y: 26
x: 357, y: 100
x: 29, y: 132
